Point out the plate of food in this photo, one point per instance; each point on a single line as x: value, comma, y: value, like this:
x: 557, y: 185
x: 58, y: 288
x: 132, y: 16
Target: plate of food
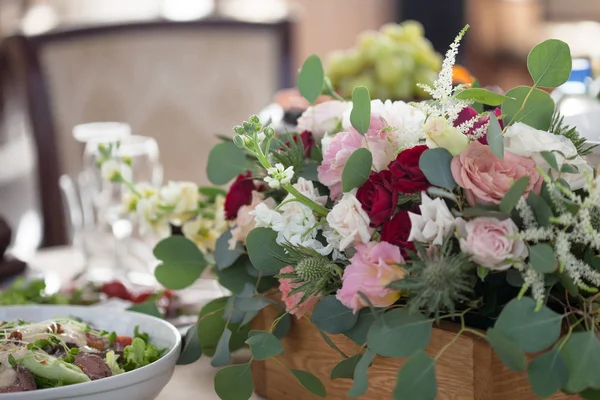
x: 52, y: 352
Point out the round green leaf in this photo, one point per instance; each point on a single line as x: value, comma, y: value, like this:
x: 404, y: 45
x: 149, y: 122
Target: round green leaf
x: 211, y: 326
x: 506, y: 350
x: 222, y: 354
x: 547, y: 373
x: 358, y: 333
x: 495, y: 137
x: 310, y: 382
x: 225, y: 162
x: 311, y: 79
x: 148, y: 307
x: 482, y: 96
x: 181, y: 262
x: 590, y: 394
x: 542, y: 258
x: 360, y: 116
x: 416, y: 378
x: 538, y: 109
x: 332, y: 316
x: 530, y: 330
x: 549, y: 63
x: 435, y: 165
x: 357, y: 169
x: 264, y: 345
x: 234, y: 382
x: 235, y: 277
x: 541, y: 209
x: 224, y: 257
x: 265, y: 254
x: 345, y: 368
x: 283, y: 326
x: 192, y: 350
x: 514, y: 194
x: 582, y: 356
x: 360, y: 383
x: 399, y: 333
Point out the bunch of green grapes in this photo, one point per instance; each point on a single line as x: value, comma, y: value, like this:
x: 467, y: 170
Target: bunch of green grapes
x: 389, y: 62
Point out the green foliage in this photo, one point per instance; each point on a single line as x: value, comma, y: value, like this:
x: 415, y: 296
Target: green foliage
x: 290, y: 153
x: 360, y: 382
x: 536, y: 112
x: 224, y: 257
x: 264, y: 345
x: 332, y: 316
x: 541, y: 209
x: 211, y: 326
x: 558, y: 127
x: 222, y: 354
x: 357, y: 169
x: 582, y: 356
x: 506, y: 350
x: 416, y: 378
x: 482, y: 96
x: 360, y: 116
x: 310, y: 382
x: 192, y: 349
x: 225, y: 162
x: 241, y: 273
x: 358, y: 333
x: 549, y: 63
x: 345, y: 368
x: 550, y: 158
x: 495, y: 138
x: 234, y: 382
x: 547, y: 373
x: 435, y: 164
x: 265, y: 254
x: 542, y: 258
x: 148, y: 307
x: 181, y: 262
x: 330, y: 343
x: 399, y: 333
x: 531, y: 330
x: 311, y: 79
x: 514, y: 194
x: 283, y: 326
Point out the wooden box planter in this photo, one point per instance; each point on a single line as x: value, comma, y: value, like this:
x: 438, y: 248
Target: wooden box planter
x: 468, y: 370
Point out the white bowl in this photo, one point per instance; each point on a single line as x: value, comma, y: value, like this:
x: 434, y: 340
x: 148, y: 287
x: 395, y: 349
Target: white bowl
x: 141, y: 384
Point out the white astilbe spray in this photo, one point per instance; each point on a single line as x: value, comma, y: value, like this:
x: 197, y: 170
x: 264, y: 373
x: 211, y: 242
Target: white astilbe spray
x: 444, y: 103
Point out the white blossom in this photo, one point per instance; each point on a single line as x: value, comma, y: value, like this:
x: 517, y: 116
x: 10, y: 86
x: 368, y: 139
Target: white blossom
x: 150, y: 218
x: 350, y: 221
x: 182, y: 197
x: 434, y: 223
x: 114, y: 169
x: 279, y: 175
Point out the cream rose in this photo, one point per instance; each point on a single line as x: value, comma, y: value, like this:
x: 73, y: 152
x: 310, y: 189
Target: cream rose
x: 350, y: 220
x: 439, y: 133
x: 434, y: 222
x: 323, y: 118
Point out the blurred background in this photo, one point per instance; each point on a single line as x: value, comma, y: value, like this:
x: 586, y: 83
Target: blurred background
x: 181, y: 71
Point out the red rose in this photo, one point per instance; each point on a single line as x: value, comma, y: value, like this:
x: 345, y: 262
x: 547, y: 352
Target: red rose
x: 239, y: 194
x: 468, y: 113
x: 407, y: 177
x: 378, y: 197
x: 397, y: 230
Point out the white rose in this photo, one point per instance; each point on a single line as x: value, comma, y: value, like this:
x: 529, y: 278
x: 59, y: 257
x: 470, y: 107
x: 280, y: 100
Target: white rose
x: 113, y: 169
x: 182, y: 196
x: 350, y: 220
x: 523, y: 140
x: 265, y: 217
x: 405, y: 121
x: 434, y: 223
x: 323, y: 118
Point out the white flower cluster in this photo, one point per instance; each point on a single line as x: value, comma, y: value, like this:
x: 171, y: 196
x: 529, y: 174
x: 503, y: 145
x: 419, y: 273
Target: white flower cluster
x: 433, y: 224
x: 278, y: 175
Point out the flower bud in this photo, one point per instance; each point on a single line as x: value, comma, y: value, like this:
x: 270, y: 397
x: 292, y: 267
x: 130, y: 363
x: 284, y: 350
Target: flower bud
x: 439, y: 133
x: 238, y: 140
x: 238, y: 129
x: 269, y: 132
x: 248, y: 128
x: 254, y: 119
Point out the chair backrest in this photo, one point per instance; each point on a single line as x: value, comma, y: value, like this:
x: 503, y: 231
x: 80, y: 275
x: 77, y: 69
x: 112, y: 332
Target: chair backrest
x: 179, y: 82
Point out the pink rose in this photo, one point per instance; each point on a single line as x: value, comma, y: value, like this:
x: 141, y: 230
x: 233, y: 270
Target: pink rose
x: 486, y: 178
x: 292, y: 302
x: 491, y: 242
x: 345, y: 143
x: 373, y: 267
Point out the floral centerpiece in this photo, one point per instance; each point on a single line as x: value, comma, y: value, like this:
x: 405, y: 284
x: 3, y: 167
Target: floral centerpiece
x: 386, y: 218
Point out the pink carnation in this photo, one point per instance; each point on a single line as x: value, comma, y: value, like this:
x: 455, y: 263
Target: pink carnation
x: 486, y: 178
x: 373, y: 267
x: 292, y: 303
x: 345, y: 143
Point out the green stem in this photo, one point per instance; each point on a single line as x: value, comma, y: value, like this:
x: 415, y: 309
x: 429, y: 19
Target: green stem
x: 521, y: 109
x: 317, y: 208
x: 474, y: 332
x: 454, y: 339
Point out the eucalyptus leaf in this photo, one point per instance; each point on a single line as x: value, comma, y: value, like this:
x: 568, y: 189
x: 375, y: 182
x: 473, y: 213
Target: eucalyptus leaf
x: 283, y: 326
x: 399, y: 333
x: 192, y: 349
x: 234, y: 382
x: 360, y: 116
x: 332, y: 316
x: 514, y: 194
x: 357, y: 169
x: 482, y: 96
x: 345, y: 368
x: 482, y: 272
x: 549, y: 63
x: 360, y: 382
x: 330, y: 343
x: 358, y: 333
x: 495, y: 137
x: 181, y: 262
x: 311, y: 79
x: 224, y: 257
x: 550, y: 158
x: 541, y: 209
x: 222, y: 355
x: 542, y: 258
x: 310, y: 382
x: 225, y: 162
x: 211, y: 326
x: 232, y: 314
x: 547, y: 373
x: 530, y: 330
x: 264, y: 345
x: 236, y: 277
x: 506, y: 350
x: 148, y: 307
x: 265, y: 254
x: 569, y: 169
x: 537, y: 111
x: 582, y: 356
x: 435, y: 165
x: 416, y: 378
